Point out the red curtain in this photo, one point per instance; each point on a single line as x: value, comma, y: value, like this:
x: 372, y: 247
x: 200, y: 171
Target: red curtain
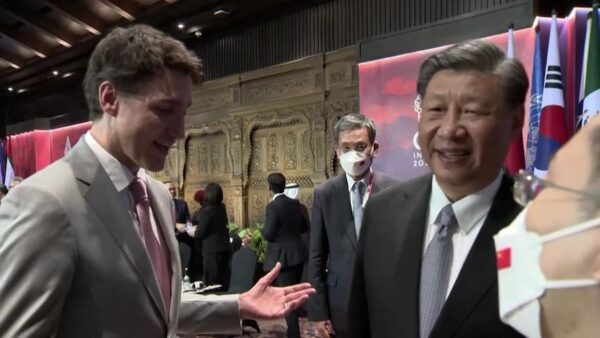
x: 34, y: 150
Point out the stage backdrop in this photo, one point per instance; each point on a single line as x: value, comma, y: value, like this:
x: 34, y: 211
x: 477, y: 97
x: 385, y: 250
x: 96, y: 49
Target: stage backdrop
x: 387, y: 89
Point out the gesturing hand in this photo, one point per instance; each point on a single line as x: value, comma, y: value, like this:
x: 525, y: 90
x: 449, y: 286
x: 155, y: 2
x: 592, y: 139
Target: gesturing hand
x: 264, y: 301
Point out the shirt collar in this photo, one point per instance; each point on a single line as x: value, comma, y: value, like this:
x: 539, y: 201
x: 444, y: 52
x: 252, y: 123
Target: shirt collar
x: 277, y: 195
x: 366, y: 180
x: 470, y: 209
x: 118, y: 173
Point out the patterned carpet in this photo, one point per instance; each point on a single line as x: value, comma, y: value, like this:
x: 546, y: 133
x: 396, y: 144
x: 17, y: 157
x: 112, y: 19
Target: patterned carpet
x: 276, y: 329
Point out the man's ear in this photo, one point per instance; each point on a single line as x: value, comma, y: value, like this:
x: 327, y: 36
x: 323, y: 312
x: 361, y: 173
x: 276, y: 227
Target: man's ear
x: 518, y: 116
x: 107, y: 98
x: 375, y: 149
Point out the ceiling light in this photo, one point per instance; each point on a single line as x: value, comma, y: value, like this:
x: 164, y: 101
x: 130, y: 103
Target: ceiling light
x: 180, y: 25
x: 22, y: 90
x: 198, y: 33
x: 55, y: 72
x: 67, y: 74
x: 10, y: 89
x: 220, y: 12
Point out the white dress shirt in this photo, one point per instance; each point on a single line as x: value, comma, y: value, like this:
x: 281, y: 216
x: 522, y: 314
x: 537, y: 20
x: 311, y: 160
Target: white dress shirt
x: 470, y: 212
x: 121, y: 177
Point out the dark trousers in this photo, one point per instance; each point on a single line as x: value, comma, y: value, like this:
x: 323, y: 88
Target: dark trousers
x: 289, y: 276
x: 217, y: 269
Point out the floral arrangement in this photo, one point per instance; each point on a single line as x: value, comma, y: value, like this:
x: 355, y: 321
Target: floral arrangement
x: 251, y: 238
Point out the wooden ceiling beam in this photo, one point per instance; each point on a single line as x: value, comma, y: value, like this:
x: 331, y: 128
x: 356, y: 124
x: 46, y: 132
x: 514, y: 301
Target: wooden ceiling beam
x: 122, y: 7
x: 12, y: 60
x: 79, y: 14
x: 24, y: 41
x: 38, y: 21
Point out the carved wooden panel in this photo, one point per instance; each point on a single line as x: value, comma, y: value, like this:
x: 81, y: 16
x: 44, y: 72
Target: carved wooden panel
x: 278, y: 119
x: 275, y: 148
x: 207, y: 156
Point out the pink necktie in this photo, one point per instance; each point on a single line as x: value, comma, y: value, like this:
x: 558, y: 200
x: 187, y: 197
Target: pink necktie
x: 158, y: 255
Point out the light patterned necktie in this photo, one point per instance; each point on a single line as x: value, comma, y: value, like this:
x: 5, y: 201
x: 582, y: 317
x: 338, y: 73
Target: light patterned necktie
x: 435, y: 270
x: 358, y: 189
x: 158, y: 256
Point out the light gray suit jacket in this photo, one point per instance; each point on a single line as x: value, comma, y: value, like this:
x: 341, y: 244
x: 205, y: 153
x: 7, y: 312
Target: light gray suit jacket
x: 73, y: 265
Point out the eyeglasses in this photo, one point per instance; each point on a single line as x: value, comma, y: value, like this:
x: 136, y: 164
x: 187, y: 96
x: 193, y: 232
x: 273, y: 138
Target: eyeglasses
x: 527, y: 186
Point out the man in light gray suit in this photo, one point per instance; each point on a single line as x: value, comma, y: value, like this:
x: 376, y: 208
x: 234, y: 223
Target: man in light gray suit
x: 86, y: 245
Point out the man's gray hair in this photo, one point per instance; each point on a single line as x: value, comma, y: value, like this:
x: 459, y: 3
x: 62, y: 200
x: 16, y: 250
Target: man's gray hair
x: 481, y: 56
x: 353, y: 122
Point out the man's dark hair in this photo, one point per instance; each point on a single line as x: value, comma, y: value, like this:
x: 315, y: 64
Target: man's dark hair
x: 276, y: 182
x: 3, y: 189
x: 484, y: 57
x: 213, y: 194
x: 130, y: 57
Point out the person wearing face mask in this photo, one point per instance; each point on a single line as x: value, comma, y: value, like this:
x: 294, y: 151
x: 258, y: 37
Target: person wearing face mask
x: 548, y: 259
x: 336, y: 220
x: 426, y: 259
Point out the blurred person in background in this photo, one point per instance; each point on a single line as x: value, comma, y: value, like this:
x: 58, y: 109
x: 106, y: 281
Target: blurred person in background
x: 213, y: 237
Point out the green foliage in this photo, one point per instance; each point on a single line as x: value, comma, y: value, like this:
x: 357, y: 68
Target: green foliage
x: 257, y: 242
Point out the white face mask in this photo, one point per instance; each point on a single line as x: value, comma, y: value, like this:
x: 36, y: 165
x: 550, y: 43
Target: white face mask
x: 355, y: 163
x: 521, y: 281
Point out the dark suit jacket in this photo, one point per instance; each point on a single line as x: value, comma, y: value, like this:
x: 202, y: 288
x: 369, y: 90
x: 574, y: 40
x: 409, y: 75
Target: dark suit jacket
x: 212, y: 228
x: 182, y: 215
x: 285, y: 223
x: 385, y: 291
x: 333, y: 246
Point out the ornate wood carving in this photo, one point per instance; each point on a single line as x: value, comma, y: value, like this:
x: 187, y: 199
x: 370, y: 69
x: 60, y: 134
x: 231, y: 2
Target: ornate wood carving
x: 333, y: 111
x: 278, y: 119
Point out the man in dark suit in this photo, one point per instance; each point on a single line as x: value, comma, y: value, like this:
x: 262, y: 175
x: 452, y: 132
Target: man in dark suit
x: 284, y: 225
x: 182, y: 223
x: 337, y: 207
x: 426, y: 265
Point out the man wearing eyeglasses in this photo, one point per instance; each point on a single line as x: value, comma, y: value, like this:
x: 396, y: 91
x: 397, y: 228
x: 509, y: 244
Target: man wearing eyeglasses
x: 426, y: 259
x: 335, y: 223
x: 549, y: 257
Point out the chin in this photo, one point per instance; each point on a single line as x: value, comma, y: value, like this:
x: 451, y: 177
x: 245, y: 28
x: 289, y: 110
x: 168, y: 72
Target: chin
x: 154, y: 165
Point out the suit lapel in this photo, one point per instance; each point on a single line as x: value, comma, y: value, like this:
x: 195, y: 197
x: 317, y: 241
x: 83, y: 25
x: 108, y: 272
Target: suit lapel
x: 342, y: 196
x: 104, y: 199
x: 478, y: 273
x: 162, y: 210
x: 410, y: 230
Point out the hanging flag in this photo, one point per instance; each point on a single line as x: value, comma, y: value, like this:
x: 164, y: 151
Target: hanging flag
x: 535, y: 103
x: 9, y: 168
x: 590, y: 72
x: 553, y: 127
x: 515, y: 158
